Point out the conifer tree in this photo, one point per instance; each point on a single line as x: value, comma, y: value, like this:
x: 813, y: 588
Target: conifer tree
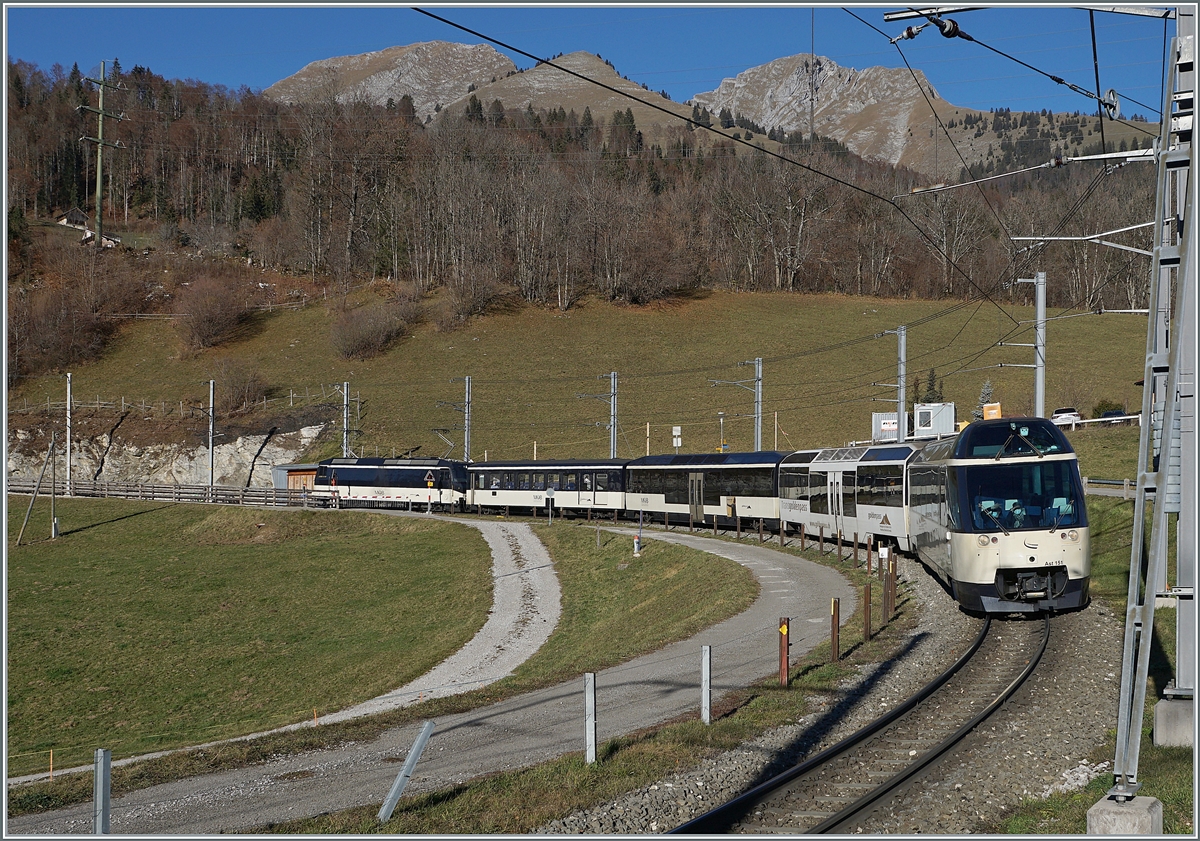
x: 985, y: 397
x: 474, y: 109
x: 932, y: 393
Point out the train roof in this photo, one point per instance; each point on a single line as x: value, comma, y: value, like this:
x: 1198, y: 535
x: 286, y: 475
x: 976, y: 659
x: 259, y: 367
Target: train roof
x: 709, y: 459
x: 1000, y: 438
x: 389, y: 462
x: 1011, y: 437
x: 547, y: 464
x: 901, y: 451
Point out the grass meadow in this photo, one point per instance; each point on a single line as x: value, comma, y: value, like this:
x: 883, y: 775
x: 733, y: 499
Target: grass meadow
x: 147, y: 626
x: 529, y: 368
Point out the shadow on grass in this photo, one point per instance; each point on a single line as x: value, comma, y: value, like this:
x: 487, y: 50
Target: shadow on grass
x: 115, y: 519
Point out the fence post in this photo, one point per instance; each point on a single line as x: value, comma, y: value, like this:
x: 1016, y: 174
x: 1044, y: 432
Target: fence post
x: 589, y: 714
x: 867, y: 611
x: 101, y: 790
x: 884, y: 553
x: 410, y: 764
x: 892, y: 586
x: 839, y: 545
x: 834, y: 610
x: 821, y: 545
x: 856, y: 550
x: 706, y: 684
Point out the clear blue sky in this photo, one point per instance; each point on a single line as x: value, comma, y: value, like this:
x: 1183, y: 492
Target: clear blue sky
x: 681, y: 49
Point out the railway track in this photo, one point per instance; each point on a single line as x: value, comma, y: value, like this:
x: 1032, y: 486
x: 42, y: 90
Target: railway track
x: 838, y: 789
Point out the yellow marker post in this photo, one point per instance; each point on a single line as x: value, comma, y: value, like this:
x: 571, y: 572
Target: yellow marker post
x: 784, y: 644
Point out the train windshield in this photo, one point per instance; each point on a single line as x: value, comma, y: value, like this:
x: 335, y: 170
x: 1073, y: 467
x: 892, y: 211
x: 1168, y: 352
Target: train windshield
x: 1020, y: 497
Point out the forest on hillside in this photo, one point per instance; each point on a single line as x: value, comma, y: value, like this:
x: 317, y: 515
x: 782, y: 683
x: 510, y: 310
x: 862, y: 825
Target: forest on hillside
x: 492, y: 206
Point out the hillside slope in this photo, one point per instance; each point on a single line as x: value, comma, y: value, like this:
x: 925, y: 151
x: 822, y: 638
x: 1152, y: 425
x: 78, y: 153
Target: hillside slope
x: 540, y: 377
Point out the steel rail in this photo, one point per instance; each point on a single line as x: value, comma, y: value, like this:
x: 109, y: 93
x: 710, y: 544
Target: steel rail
x: 719, y: 820
x: 869, y: 800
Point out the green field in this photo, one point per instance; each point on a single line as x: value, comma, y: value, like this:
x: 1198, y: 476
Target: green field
x: 529, y: 368
x: 148, y: 625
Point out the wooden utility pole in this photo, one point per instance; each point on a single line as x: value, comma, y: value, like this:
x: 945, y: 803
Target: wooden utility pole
x: 100, y: 144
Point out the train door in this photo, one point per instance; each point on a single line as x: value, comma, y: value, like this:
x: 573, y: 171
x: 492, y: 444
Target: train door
x: 601, y: 484
x: 833, y: 501
x: 587, y: 497
x: 843, y: 510
x: 847, y: 520
x: 696, y: 496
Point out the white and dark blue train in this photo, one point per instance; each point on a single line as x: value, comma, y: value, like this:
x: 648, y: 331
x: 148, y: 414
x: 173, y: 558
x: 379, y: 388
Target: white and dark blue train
x: 413, y: 483
x: 997, y: 512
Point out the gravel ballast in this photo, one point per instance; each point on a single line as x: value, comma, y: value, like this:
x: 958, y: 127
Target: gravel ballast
x: 1039, y: 744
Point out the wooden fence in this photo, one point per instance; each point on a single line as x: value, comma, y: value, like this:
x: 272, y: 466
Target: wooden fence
x: 220, y: 494
x: 327, y: 396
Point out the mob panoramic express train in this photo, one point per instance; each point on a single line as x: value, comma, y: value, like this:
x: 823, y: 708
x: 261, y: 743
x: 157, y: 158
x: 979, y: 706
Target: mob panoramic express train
x: 997, y: 511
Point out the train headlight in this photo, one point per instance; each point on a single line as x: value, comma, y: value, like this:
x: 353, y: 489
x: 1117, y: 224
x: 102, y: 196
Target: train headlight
x: 983, y: 540
x: 1073, y: 536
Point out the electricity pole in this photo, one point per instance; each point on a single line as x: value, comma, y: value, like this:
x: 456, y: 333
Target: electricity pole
x: 345, y: 420
x: 70, y: 484
x: 211, y: 419
x: 465, y: 408
x: 1166, y: 485
x: 612, y: 418
x: 757, y: 389
x: 612, y: 412
x: 100, y: 144
x: 1039, y: 345
x: 901, y: 381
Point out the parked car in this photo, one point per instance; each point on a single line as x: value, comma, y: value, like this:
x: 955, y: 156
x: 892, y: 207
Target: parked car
x: 1065, y: 415
x: 1116, y: 416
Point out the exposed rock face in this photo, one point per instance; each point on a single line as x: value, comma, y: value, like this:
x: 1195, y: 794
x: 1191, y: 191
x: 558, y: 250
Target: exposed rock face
x: 106, y: 458
x: 433, y: 73
x: 546, y: 86
x: 871, y: 110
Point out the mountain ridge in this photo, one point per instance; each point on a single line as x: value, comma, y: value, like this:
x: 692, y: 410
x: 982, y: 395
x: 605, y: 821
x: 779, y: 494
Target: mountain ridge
x: 883, y: 115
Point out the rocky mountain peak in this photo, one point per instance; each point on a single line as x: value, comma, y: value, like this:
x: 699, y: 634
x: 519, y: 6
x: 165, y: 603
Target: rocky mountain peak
x: 868, y: 110
x: 432, y: 73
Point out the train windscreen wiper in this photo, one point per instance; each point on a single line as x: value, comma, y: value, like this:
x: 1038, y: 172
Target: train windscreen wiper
x: 990, y: 516
x: 1021, y: 433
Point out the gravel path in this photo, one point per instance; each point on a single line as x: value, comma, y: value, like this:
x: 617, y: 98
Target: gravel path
x: 1038, y: 745
x: 526, y: 606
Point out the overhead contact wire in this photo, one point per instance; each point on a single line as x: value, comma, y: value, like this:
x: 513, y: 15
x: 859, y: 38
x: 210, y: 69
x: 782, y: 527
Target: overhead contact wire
x: 850, y: 185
